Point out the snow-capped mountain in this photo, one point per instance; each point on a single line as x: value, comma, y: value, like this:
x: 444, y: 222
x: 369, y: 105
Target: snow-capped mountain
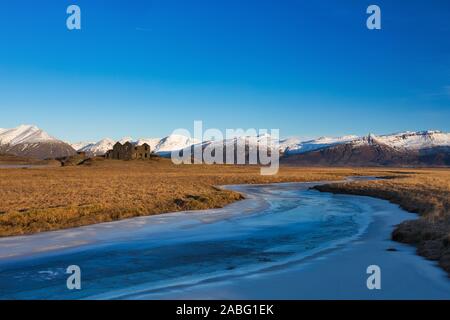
x: 24, y: 134
x: 152, y: 142
x: 81, y: 144
x: 422, y: 148
x: 98, y: 148
x: 415, y: 140
x: 413, y: 148
x: 126, y: 139
x: 316, y: 144
x: 251, y: 140
x: 30, y: 141
x: 174, y: 142
x: 289, y: 146
x: 289, y: 143
x: 165, y: 145
x: 401, y: 141
x: 157, y: 145
x: 242, y: 149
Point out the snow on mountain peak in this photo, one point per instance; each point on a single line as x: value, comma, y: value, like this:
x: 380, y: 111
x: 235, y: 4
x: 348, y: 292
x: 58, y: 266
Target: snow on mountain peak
x: 126, y: 139
x: 175, y: 142
x: 98, y: 148
x: 24, y: 134
x: 319, y: 143
x: 80, y: 145
x: 416, y: 140
x: 408, y: 140
x: 152, y: 142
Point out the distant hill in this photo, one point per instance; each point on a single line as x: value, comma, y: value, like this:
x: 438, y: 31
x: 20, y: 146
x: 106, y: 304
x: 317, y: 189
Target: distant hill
x: 31, y: 142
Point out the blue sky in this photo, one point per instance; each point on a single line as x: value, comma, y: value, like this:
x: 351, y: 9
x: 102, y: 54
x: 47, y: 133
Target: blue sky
x: 144, y: 68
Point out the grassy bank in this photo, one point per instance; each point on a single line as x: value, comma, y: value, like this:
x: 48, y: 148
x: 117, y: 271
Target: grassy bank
x: 426, y: 192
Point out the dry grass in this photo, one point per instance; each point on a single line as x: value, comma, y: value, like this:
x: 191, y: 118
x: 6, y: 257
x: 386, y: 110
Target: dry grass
x: 42, y: 199
x: 7, y: 160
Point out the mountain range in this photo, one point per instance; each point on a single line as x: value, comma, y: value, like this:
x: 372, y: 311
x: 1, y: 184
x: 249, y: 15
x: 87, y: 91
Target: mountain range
x: 419, y: 148
x: 423, y: 148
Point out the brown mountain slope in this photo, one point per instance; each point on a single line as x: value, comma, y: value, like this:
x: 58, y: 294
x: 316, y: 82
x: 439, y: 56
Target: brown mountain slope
x: 369, y: 154
x: 39, y: 150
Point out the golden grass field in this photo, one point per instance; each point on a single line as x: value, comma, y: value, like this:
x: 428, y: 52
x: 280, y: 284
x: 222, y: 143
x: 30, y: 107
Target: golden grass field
x: 49, y: 198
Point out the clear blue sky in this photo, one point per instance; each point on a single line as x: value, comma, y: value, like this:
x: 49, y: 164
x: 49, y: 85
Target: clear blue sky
x: 144, y: 68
